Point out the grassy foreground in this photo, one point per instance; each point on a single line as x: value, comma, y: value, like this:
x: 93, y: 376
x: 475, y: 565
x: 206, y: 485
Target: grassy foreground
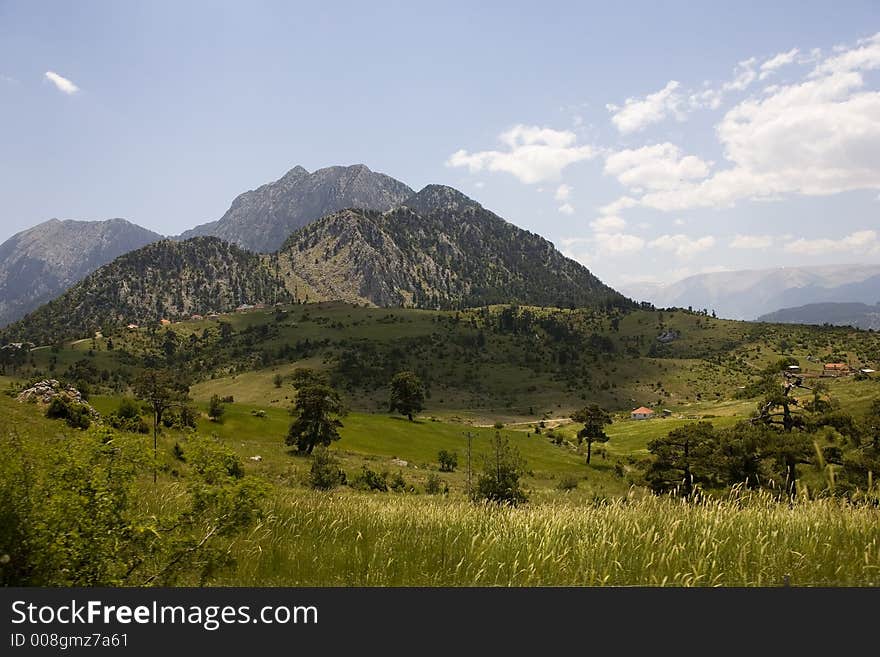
x: 352, y: 539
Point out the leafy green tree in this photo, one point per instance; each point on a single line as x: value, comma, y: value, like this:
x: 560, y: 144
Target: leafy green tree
x: 316, y: 418
x: 278, y: 380
x: 215, y: 409
x: 448, y: 460
x: 502, y: 469
x: 407, y: 394
x: 303, y: 377
x: 680, y: 459
x: 594, y: 419
x: 162, y: 390
x: 739, y: 456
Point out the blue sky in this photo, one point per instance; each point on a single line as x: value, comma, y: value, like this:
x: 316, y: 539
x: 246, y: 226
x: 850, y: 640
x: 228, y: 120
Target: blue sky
x: 647, y: 140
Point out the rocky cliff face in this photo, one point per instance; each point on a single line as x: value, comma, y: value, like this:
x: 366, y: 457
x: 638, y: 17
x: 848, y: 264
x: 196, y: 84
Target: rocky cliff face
x: 262, y: 219
x: 38, y: 264
x: 441, y: 249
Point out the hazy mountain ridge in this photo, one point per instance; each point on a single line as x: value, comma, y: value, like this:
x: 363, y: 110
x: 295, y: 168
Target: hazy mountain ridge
x: 859, y: 315
x: 39, y: 263
x: 167, y: 279
x: 262, y: 219
x: 749, y: 294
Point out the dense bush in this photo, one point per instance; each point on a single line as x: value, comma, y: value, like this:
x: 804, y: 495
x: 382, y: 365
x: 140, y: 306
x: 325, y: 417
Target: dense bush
x: 448, y: 460
x: 368, y: 479
x: 75, y: 414
x: 325, y: 472
x: 73, y: 512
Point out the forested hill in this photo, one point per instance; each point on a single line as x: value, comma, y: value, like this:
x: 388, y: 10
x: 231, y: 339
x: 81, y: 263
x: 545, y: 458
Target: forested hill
x: 439, y: 250
x: 168, y: 279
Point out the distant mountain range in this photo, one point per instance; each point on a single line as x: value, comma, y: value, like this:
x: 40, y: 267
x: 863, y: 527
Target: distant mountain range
x: 435, y: 249
x: 262, y: 219
x: 860, y: 315
x: 752, y: 293
x: 38, y: 264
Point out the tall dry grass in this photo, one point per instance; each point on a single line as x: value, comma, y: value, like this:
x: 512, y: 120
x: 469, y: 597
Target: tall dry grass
x: 749, y: 539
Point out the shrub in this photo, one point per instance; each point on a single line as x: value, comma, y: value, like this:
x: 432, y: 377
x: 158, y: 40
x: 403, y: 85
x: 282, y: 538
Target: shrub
x: 398, y: 483
x: 325, y: 472
x: 498, y: 425
x: 215, y: 409
x: 448, y: 460
x: 567, y: 483
x: 368, y: 479
x: 76, y: 415
x: 434, y: 485
x: 502, y: 469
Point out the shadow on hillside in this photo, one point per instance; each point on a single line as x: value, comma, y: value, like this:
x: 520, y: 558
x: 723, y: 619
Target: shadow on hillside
x: 402, y: 418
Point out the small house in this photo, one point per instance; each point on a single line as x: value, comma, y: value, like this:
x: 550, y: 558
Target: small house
x: 835, y: 369
x: 641, y: 413
x: 197, y: 318
x: 132, y: 327
x: 165, y: 322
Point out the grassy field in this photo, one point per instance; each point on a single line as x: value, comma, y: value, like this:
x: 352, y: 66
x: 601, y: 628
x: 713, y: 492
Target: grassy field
x: 607, y: 530
x: 347, y: 539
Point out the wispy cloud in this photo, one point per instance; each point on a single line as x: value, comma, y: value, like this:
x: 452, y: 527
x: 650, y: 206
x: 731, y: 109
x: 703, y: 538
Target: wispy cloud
x: 752, y: 242
x: 61, y: 83
x: 532, y: 154
x: 863, y: 241
x: 638, y: 113
x: 778, y: 61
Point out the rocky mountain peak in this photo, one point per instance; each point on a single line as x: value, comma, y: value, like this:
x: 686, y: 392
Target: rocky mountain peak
x: 262, y: 219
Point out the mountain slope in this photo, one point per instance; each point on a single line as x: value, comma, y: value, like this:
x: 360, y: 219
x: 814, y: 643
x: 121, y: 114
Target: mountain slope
x: 859, y: 315
x: 163, y: 280
x: 749, y: 294
x: 38, y: 264
x: 440, y: 250
x: 260, y: 220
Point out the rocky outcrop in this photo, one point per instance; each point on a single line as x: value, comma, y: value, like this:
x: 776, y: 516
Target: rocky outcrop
x: 45, y: 391
x: 260, y: 220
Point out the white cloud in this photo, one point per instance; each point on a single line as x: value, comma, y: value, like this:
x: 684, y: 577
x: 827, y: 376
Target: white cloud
x: 679, y: 222
x: 607, y: 224
x: 638, y: 113
x: 61, y: 83
x: 563, y: 192
x: 566, y: 208
x: 778, y: 61
x: 618, y: 243
x: 710, y: 97
x: 533, y: 154
x: 682, y: 245
x: 623, y: 203
x: 479, y: 184
x: 660, y: 166
x: 865, y: 56
x: 752, y: 242
x: 743, y: 75
x: 819, y: 136
x: 863, y: 241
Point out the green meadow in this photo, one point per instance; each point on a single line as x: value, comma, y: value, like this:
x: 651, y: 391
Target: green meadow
x: 593, y: 524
